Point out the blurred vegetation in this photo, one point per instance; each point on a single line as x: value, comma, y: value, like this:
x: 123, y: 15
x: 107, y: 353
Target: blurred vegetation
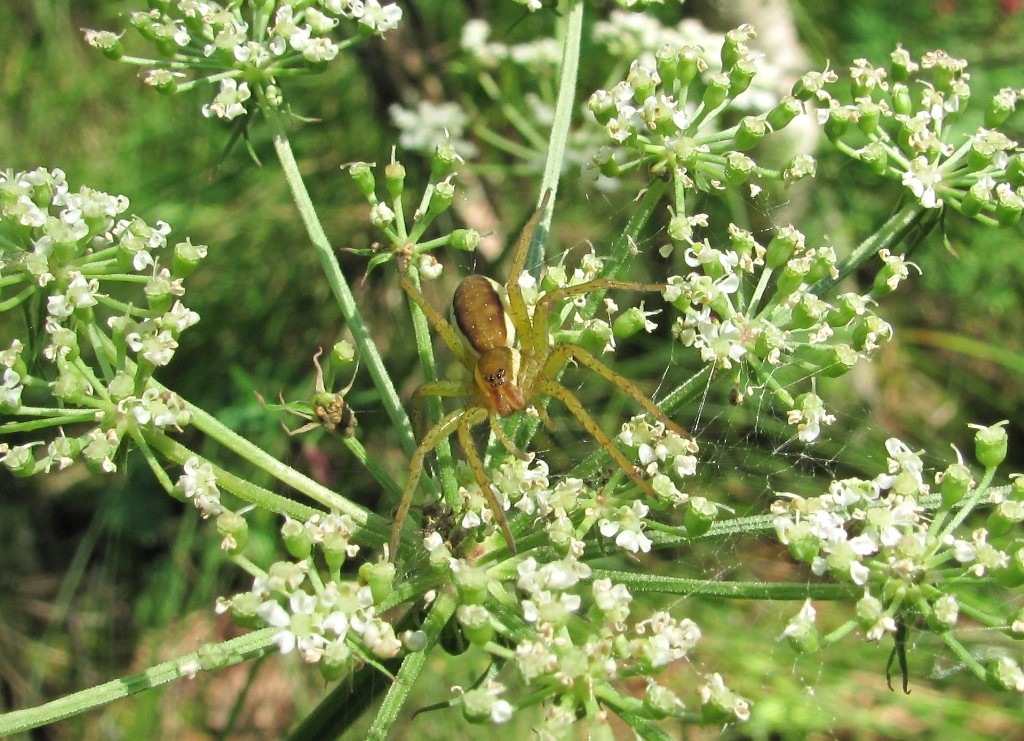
x: 108, y: 576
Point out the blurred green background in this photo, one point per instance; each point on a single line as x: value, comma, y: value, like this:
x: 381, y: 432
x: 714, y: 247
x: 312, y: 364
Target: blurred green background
x: 106, y: 576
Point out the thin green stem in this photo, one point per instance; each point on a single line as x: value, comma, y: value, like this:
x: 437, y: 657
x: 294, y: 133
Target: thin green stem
x: 891, y: 232
x: 236, y: 650
x: 368, y: 352
x: 644, y: 582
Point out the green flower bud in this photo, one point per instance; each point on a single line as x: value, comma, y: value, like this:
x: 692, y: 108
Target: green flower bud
x: 1000, y: 108
x: 1015, y: 170
x: 379, y: 577
x: 661, y: 702
x: 362, y: 174
x: 750, y: 132
x: 900, y: 65
x: 990, y: 444
x: 1009, y: 206
x: 471, y: 584
x: 955, y: 483
x: 902, y: 104
x: 740, y: 77
x: 643, y: 81
x: 700, y: 514
x: 738, y: 168
x: 689, y: 66
x: 342, y: 353
x: 335, y: 549
x: 870, y: 116
x: 296, y: 539
x: 336, y: 661
x: 976, y: 198
x: 805, y: 549
x: 1004, y: 674
x: 715, y: 92
x: 476, y: 623
x: 20, y: 461
x: 783, y: 114
x: 243, y: 610
x: 628, y: 323
x: 186, y: 258
x: 394, y: 179
x: 465, y: 239
x: 602, y: 105
x: 782, y: 247
x: 804, y: 639
x: 793, y: 275
x: 233, y: 528
x: 441, y: 199
x: 213, y: 656
x: 838, y: 123
x: 831, y: 361
x: 667, y: 63
x: 443, y: 163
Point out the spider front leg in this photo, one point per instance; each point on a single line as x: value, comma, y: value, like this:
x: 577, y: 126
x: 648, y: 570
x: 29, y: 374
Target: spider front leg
x: 445, y: 427
x: 560, y: 356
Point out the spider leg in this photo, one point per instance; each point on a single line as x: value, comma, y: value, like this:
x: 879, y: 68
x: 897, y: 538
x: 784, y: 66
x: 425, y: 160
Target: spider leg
x: 561, y: 354
x: 433, y: 388
x: 543, y: 307
x: 473, y: 458
x: 574, y: 405
x: 518, y: 312
x: 445, y: 427
x: 505, y: 440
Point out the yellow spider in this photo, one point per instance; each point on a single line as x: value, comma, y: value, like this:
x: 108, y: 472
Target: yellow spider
x: 514, y: 364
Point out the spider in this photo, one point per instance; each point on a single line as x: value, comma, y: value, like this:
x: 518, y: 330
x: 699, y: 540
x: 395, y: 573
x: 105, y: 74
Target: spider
x: 514, y: 364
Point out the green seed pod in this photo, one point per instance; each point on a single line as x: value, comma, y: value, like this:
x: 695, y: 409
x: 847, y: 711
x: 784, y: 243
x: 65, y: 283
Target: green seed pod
x: 956, y: 482
x: 750, y: 132
x: 232, y: 525
x: 394, y: 178
x: 901, y: 102
x: 1009, y: 206
x: 738, y: 167
x: 296, y: 539
x: 990, y: 445
x: 699, y: 516
x: 213, y: 656
x: 783, y: 114
x: 362, y: 174
x: 715, y: 92
x: 379, y: 577
x: 186, y: 258
x: 466, y: 240
x: 838, y: 123
x: 444, y: 161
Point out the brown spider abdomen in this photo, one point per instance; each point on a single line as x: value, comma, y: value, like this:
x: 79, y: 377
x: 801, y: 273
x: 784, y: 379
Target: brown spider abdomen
x: 496, y: 380
x: 479, y: 312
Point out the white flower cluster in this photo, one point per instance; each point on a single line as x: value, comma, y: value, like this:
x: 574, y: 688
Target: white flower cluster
x: 729, y: 315
x: 80, y: 250
x: 322, y: 625
x: 901, y: 125
x: 227, y: 46
x: 877, y: 534
x: 562, y: 662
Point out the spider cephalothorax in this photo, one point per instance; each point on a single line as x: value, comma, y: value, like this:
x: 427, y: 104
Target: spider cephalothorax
x: 514, y: 364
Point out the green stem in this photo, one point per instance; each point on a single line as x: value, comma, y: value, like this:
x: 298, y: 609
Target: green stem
x: 368, y: 352
x: 888, y: 235
x: 441, y: 612
x: 557, y: 141
x: 239, y: 649
x: 211, y: 426
x: 643, y: 582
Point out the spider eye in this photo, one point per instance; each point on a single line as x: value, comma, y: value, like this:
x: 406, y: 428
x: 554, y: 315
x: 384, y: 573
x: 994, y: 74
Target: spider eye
x: 497, y: 378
